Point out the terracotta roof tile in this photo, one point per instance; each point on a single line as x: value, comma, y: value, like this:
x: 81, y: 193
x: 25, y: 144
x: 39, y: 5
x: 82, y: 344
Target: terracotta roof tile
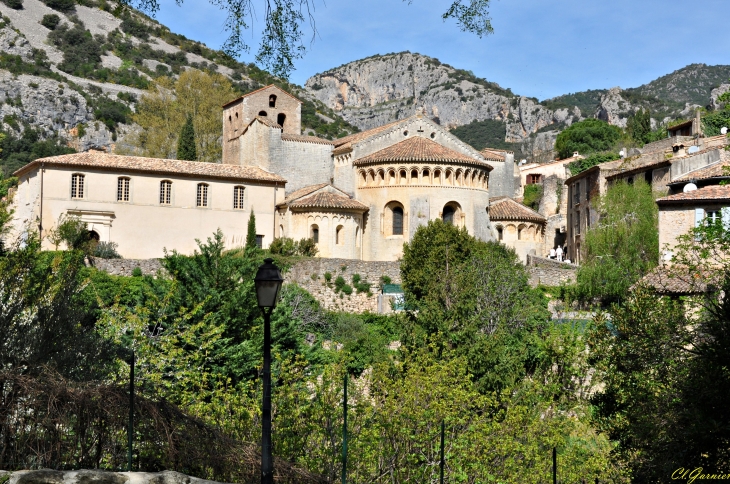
x: 492, y: 154
x: 504, y: 208
x: 329, y: 200
x: 677, y: 280
x: 419, y: 149
x: 105, y: 161
x: 306, y: 139
x: 711, y: 171
x: 712, y: 192
x: 345, y: 143
x: 303, y: 192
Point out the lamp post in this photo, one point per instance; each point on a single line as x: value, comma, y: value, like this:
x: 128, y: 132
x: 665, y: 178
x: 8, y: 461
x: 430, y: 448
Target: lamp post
x: 268, y: 282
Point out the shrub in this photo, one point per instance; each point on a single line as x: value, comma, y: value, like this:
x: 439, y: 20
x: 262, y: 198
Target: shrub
x: 533, y: 195
x: 14, y: 4
x: 339, y: 282
x: 107, y: 250
x: 283, y: 246
x: 327, y: 277
x: 51, y: 21
x: 136, y: 272
x: 356, y: 278
x: 64, y: 6
x: 308, y: 248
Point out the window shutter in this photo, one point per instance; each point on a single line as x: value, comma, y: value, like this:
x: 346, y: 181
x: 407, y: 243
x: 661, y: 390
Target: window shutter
x: 699, y: 215
x: 725, y: 217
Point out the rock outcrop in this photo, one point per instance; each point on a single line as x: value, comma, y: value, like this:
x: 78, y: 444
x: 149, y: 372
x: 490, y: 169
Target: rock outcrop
x: 382, y: 89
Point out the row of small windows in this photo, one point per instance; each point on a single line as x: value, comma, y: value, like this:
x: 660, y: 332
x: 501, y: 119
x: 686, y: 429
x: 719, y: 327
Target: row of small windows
x: 394, y: 217
x: 339, y: 234
x: 437, y: 176
x: 201, y: 198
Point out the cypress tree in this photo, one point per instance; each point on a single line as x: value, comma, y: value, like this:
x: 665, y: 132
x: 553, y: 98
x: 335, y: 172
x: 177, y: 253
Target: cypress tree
x: 186, y: 143
x: 251, y: 233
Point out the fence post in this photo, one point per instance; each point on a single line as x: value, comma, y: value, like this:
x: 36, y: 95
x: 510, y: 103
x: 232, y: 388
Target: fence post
x: 344, y: 432
x: 441, y: 469
x: 130, y: 431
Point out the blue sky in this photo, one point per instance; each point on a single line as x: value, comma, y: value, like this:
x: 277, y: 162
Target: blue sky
x: 540, y: 48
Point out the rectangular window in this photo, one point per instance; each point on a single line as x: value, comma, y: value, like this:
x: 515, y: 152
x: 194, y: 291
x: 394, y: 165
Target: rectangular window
x: 576, y: 194
x: 260, y: 241
x: 77, y: 186
x: 165, y: 191
x: 202, y: 198
x: 712, y: 216
x: 577, y: 223
x: 238, y: 198
x: 122, y: 189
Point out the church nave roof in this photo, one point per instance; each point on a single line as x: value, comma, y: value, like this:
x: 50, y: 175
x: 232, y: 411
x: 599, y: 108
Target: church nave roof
x: 418, y: 149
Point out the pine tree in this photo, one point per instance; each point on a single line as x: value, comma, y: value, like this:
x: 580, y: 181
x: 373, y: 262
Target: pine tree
x: 251, y: 233
x: 186, y: 143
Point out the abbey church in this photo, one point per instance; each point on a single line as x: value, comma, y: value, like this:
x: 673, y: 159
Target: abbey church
x: 358, y: 197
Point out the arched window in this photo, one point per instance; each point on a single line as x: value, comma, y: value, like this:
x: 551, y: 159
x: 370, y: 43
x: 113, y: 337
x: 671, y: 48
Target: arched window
x: 402, y: 175
x: 263, y: 114
x: 520, y: 229
x: 397, y: 221
x: 364, y: 178
x: 414, y: 176
x: 281, y: 231
x: 281, y: 119
x: 437, y: 177
x: 314, y: 233
x: 94, y: 235
x: 165, y: 192
x: 500, y: 233
x: 357, y: 236
x: 391, y: 177
x: 340, y: 235
x: 201, y: 199
x: 393, y: 219
x: 238, y: 198
x: 272, y: 101
x: 77, y: 185
x: 426, y: 177
x: 122, y: 189
x: 448, y: 214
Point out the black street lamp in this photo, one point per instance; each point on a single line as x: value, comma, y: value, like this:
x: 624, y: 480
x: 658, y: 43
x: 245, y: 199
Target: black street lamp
x: 268, y: 282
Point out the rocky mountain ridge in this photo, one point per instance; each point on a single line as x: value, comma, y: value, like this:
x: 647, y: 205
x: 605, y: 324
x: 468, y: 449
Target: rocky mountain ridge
x: 382, y: 88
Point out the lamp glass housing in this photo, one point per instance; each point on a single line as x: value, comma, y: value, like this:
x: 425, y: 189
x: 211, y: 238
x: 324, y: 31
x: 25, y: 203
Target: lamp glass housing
x: 268, y: 283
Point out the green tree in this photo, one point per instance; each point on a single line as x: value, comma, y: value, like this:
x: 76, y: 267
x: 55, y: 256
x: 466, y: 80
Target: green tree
x: 579, y: 166
x: 623, y: 245
x: 251, y: 245
x: 472, y: 296
x: 586, y: 137
x: 186, y: 142
x: 639, y: 126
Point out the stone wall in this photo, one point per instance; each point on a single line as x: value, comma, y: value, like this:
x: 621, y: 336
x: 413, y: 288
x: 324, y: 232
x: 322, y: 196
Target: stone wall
x: 124, y: 267
x: 549, y: 272
x: 310, y: 275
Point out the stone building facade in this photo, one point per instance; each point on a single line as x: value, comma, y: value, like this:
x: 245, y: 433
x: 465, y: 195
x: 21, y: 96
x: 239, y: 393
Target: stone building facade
x: 518, y: 227
x: 146, y: 205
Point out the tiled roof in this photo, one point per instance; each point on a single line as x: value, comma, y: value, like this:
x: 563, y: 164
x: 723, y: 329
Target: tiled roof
x: 345, y: 143
x: 261, y: 89
x: 677, y: 280
x: 419, y: 149
x: 708, y: 193
x: 329, y: 200
x: 303, y: 192
x: 306, y: 139
x: 504, y: 208
x: 105, y: 161
x: 492, y: 154
x: 711, y: 171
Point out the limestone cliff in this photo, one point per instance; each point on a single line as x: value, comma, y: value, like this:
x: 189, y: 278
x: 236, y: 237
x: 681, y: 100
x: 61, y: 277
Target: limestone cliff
x: 381, y: 89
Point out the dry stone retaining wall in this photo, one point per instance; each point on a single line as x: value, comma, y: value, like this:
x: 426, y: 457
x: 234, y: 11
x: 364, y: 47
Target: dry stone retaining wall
x: 124, y: 267
x: 309, y: 274
x: 550, y: 272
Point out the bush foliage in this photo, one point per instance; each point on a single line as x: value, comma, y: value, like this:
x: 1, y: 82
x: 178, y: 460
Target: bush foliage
x: 586, y: 137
